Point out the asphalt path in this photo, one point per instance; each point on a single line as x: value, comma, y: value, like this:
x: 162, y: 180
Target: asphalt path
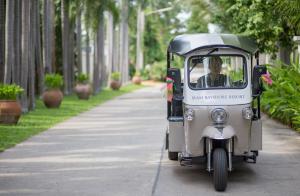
x: 117, y: 149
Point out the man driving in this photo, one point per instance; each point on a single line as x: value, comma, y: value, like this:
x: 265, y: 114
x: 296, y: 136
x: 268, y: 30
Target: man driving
x: 214, y: 78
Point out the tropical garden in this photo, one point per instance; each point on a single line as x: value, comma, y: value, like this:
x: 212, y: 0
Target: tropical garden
x: 74, y: 50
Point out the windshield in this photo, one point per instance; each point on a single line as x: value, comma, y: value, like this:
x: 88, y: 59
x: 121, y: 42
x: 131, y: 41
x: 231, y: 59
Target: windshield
x: 215, y: 72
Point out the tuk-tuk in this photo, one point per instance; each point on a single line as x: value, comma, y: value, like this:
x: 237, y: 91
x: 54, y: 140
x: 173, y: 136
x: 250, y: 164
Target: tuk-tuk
x: 214, y: 111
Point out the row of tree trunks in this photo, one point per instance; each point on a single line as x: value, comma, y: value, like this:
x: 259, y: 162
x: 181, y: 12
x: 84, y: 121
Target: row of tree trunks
x: 2, y: 39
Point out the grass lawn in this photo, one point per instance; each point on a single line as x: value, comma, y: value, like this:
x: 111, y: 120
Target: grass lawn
x: 42, y: 118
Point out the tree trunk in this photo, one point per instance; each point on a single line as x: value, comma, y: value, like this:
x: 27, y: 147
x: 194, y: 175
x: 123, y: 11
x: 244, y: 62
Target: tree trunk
x: 71, y: 60
x: 38, y: 53
x: 65, y: 44
x: 2, y: 40
x: 9, y: 43
x: 16, y: 69
x: 124, y: 42
x: 99, y: 61
x: 116, y: 50
x: 87, y: 52
x: 139, y: 40
x: 48, y: 35
x: 25, y: 52
x: 78, y: 41
x: 96, y: 69
x: 31, y: 65
x: 110, y: 40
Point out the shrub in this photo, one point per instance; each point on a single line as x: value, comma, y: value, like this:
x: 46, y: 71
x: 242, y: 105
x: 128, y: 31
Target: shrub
x: 82, y: 78
x: 10, y: 91
x: 115, y: 76
x: 53, y: 81
x: 145, y: 72
x: 281, y: 99
x: 158, y: 71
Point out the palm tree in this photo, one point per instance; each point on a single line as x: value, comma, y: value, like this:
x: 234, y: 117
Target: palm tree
x: 48, y: 34
x: 2, y: 40
x: 9, y: 41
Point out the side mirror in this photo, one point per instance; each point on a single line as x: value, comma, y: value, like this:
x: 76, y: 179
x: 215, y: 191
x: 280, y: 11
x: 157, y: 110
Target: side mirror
x: 258, y: 71
x: 175, y: 75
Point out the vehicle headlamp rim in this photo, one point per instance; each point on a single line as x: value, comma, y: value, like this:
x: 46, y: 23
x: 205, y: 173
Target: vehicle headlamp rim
x: 219, y: 110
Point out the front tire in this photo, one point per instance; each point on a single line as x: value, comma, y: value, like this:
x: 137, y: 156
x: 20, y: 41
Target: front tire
x: 220, y: 166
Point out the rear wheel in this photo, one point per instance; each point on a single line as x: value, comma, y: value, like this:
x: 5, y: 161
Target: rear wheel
x: 173, y: 156
x: 220, y: 166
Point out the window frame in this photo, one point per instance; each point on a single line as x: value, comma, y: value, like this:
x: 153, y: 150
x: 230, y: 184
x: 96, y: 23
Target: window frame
x: 220, y: 55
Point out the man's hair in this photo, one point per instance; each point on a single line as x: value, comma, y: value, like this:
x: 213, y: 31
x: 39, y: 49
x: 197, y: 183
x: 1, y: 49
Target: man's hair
x: 215, y: 60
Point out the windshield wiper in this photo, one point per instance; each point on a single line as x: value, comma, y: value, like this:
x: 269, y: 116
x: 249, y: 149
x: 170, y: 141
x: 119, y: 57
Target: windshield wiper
x: 200, y: 60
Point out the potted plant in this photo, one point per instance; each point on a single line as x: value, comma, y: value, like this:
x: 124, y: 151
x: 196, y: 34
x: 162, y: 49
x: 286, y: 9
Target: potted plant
x: 10, y: 108
x: 53, y: 96
x: 83, y: 88
x: 136, y: 79
x: 115, y: 83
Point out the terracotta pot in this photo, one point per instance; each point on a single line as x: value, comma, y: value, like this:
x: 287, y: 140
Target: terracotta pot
x: 10, y: 112
x: 52, y: 98
x: 83, y: 91
x: 137, y: 80
x: 115, y: 85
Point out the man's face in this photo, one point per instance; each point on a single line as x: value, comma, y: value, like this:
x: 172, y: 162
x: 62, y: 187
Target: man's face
x: 215, y: 66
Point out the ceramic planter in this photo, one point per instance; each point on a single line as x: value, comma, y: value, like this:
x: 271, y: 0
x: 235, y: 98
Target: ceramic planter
x: 10, y: 112
x: 115, y: 85
x: 52, y: 98
x: 137, y: 80
x: 83, y: 91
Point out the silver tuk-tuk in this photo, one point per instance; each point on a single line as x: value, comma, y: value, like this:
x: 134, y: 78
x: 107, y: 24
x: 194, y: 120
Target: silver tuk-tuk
x: 214, y: 111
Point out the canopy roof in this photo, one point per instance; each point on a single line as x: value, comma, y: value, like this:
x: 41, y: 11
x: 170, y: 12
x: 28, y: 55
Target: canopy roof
x: 186, y: 43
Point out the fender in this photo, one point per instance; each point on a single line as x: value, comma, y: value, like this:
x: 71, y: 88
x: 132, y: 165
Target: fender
x: 218, y: 134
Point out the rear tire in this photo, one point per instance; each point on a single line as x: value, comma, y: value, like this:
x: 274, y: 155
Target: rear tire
x: 220, y: 173
x: 173, y: 156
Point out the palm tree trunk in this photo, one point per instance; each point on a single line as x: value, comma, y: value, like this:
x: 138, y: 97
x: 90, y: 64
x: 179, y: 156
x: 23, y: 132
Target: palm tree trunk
x: 31, y: 65
x: 101, y: 57
x: 2, y: 40
x: 96, y: 70
x: 71, y: 56
x: 16, y: 69
x: 110, y: 40
x: 25, y: 52
x: 78, y: 41
x: 87, y: 53
x: 48, y: 35
x: 38, y: 53
x: 9, y: 42
x: 65, y: 44
x: 124, y: 41
x: 139, y: 40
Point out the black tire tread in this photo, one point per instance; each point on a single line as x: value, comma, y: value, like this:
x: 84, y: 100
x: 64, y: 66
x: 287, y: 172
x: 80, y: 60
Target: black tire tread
x: 220, y: 166
x: 173, y: 156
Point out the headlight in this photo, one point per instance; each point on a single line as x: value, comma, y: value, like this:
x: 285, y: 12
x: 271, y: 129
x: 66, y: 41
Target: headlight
x: 189, y: 114
x: 219, y: 115
x: 247, y: 113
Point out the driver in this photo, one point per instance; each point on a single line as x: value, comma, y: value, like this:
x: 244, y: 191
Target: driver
x: 214, y: 78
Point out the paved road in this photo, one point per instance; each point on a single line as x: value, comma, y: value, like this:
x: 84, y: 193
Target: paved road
x: 116, y: 150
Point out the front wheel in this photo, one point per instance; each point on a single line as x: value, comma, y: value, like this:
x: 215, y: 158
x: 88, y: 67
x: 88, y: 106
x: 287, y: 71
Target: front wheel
x: 220, y: 169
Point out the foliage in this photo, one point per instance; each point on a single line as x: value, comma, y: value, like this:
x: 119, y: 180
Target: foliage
x: 10, y: 91
x: 82, y: 78
x: 115, y: 76
x: 158, y: 71
x: 42, y: 118
x: 260, y: 19
x: 145, y: 72
x: 53, y: 81
x: 281, y: 99
x: 201, y: 12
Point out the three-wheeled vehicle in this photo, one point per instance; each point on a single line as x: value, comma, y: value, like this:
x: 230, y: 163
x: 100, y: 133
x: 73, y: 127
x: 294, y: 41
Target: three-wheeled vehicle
x: 214, y: 111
